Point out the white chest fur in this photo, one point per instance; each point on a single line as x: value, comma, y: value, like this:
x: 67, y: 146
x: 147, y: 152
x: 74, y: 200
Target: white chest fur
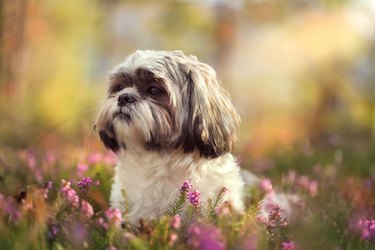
x: 152, y: 180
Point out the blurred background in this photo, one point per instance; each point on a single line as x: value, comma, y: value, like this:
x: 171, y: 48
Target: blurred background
x: 300, y: 72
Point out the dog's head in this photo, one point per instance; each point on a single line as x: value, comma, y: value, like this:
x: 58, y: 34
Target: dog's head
x: 165, y: 101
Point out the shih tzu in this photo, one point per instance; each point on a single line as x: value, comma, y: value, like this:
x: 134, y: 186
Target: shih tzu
x: 168, y: 119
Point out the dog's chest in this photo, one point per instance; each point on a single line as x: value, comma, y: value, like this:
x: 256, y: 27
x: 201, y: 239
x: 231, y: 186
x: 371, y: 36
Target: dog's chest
x: 152, y: 183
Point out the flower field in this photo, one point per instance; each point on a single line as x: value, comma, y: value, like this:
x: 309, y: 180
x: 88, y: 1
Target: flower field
x: 307, y: 198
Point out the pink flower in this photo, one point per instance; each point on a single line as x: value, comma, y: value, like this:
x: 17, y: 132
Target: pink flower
x: 176, y: 222
x: 82, y: 168
x: 313, y: 188
x: 101, y: 222
x: 110, y: 158
x: 288, y: 245
x: 69, y: 193
x: 266, y: 185
x: 367, y: 228
x: 224, y: 209
x: 172, y: 239
x: 31, y: 161
x: 205, y: 237
x: 114, y: 216
x: 94, y: 158
x: 194, y: 197
x: 304, y: 182
x: 87, y: 209
x: 50, y: 158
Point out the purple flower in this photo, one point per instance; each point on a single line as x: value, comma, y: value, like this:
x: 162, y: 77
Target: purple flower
x: 186, y: 186
x: 205, y: 237
x: 48, y: 185
x: 194, y: 197
x: 288, y: 245
x: 84, y: 184
x: 53, y: 231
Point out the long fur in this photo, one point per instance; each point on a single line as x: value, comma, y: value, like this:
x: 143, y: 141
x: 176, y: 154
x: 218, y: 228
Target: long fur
x: 176, y: 123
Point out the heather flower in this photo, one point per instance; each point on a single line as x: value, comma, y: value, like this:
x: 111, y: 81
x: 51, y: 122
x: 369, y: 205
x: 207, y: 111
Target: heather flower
x: 78, y: 234
x: 288, y: 245
x: 194, y: 197
x: 304, y: 182
x: 172, y: 239
x: 313, y: 188
x: 82, y: 168
x: 48, y: 185
x: 87, y: 209
x: 101, y: 222
x: 84, y: 184
x: 186, y: 186
x: 30, y: 160
x: 9, y: 207
x: 367, y: 228
x: 94, y: 158
x: 69, y: 193
x: 53, y: 231
x: 110, y: 158
x: 205, y: 237
x: 250, y: 243
x: 114, y: 216
x: 224, y: 209
x: 266, y: 185
x: 50, y: 158
x: 176, y: 222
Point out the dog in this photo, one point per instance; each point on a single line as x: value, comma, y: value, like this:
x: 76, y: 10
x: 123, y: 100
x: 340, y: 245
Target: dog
x: 168, y: 119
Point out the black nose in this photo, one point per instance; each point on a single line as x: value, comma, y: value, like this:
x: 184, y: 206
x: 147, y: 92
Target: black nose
x: 126, y: 98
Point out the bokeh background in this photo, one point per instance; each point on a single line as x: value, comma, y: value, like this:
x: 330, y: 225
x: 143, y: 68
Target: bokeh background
x: 300, y: 72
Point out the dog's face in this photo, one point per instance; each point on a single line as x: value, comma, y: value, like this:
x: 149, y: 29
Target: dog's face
x: 165, y: 101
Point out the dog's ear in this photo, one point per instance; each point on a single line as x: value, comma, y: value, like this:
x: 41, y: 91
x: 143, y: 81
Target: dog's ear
x: 109, y: 140
x: 211, y: 120
x: 108, y: 137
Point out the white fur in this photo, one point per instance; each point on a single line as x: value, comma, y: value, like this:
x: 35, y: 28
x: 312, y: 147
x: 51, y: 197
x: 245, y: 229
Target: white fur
x: 187, y: 132
x: 153, y: 180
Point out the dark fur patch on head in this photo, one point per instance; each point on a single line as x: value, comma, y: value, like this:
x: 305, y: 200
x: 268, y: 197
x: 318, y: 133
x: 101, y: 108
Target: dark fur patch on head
x: 109, y: 140
x: 212, y: 120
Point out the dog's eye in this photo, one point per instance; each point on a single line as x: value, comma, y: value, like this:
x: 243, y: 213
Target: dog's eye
x: 155, y: 91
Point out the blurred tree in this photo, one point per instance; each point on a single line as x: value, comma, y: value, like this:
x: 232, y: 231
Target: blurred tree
x: 12, y: 31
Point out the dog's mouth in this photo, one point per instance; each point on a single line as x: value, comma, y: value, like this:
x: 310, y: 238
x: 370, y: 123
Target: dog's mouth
x: 123, y: 115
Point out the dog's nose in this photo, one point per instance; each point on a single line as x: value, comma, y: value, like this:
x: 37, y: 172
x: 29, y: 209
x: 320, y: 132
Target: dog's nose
x: 126, y: 98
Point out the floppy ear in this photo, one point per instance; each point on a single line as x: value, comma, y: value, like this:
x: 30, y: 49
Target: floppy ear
x: 107, y: 134
x: 211, y: 119
x: 109, y: 140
